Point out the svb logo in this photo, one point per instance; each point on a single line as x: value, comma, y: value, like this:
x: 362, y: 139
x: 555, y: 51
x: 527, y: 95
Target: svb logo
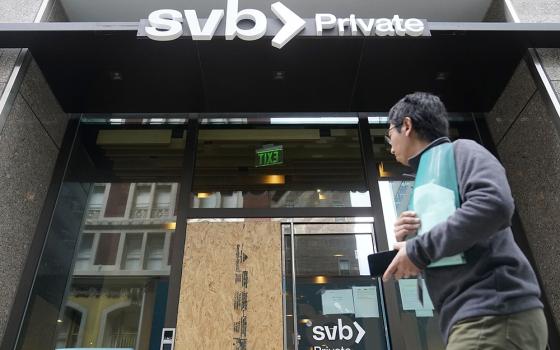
x: 338, y: 332
x: 167, y: 24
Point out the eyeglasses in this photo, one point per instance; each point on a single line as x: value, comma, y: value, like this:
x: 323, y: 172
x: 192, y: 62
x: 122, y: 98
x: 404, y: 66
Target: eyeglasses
x: 388, y: 135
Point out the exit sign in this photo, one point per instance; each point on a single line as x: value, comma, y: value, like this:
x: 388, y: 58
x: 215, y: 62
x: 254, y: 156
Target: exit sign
x: 271, y: 155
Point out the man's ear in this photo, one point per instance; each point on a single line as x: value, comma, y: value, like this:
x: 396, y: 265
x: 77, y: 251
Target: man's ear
x: 407, y: 123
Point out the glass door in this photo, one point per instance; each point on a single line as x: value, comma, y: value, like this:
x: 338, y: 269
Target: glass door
x: 330, y: 300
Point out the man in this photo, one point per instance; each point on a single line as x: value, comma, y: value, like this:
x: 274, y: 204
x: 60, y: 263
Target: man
x: 492, y: 301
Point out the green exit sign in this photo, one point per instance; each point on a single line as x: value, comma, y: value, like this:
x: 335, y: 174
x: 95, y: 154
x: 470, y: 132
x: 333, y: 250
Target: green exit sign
x: 271, y: 155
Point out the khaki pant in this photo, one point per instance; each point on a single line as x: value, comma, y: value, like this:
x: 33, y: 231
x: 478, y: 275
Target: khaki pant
x: 526, y: 330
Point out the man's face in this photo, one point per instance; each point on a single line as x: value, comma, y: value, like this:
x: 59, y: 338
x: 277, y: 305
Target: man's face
x: 399, y: 139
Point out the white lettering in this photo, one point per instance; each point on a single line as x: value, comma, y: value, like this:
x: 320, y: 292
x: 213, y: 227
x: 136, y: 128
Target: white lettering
x: 353, y: 26
x: 398, y: 24
x: 210, y: 26
x: 330, y: 336
x: 341, y: 330
x: 234, y: 16
x: 383, y: 27
x: 414, y: 27
x: 366, y: 28
x: 318, y: 333
x: 324, y: 21
x: 342, y: 23
x: 165, y: 25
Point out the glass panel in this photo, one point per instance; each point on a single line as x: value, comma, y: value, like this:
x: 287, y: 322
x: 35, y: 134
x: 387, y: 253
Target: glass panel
x: 121, y: 311
x: 419, y: 324
x: 460, y: 126
x: 325, y: 252
x: 102, y: 280
x: 322, y: 228
x: 259, y: 166
x: 338, y: 304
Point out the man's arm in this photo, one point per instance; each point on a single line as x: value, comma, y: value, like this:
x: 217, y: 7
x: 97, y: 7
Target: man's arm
x: 487, y: 207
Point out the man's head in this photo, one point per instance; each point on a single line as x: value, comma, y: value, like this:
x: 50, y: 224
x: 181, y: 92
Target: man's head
x: 415, y: 121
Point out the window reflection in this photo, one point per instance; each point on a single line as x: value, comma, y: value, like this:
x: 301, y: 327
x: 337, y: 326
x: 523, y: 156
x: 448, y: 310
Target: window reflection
x: 316, y: 166
x: 118, y: 288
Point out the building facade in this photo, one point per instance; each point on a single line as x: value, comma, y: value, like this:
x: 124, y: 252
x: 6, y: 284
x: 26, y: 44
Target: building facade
x: 236, y: 226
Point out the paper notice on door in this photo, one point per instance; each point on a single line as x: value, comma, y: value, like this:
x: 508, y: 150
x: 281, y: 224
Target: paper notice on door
x: 409, y: 295
x: 424, y: 313
x: 365, y: 301
x: 338, y: 301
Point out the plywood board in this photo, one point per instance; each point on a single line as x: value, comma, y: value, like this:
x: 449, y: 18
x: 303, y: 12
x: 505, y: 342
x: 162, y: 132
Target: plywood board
x: 217, y: 297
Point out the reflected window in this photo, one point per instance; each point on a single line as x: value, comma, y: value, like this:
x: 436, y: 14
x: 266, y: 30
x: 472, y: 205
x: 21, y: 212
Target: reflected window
x: 96, y: 201
x: 121, y: 327
x: 141, y: 204
x: 154, y: 255
x: 120, y: 273
x: 162, y: 202
x: 132, y: 252
x: 102, y: 281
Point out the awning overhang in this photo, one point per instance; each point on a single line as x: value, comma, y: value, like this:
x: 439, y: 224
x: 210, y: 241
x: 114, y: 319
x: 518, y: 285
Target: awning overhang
x: 467, y: 64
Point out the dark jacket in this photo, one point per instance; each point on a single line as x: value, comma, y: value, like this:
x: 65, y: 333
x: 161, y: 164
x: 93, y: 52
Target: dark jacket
x: 497, y: 278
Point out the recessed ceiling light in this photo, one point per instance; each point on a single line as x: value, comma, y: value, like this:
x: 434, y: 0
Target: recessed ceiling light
x: 116, y: 75
x: 278, y: 75
x: 442, y: 76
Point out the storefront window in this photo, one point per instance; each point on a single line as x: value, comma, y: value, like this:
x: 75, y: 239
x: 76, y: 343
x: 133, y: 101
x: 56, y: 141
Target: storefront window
x: 103, y: 277
x: 274, y: 166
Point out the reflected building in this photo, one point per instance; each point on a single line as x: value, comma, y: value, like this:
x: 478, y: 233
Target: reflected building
x: 121, y: 267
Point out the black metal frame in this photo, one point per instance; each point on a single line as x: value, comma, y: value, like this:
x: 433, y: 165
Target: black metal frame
x: 180, y: 234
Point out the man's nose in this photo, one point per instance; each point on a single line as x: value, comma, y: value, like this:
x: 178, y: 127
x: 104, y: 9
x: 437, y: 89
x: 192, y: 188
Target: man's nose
x: 392, y: 151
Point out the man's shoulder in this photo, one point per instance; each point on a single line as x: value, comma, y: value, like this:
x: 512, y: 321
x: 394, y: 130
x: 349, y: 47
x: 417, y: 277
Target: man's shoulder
x: 469, y: 151
x: 468, y: 145
x: 468, y: 148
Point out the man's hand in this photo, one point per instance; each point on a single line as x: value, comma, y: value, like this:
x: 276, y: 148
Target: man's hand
x: 406, y: 225
x: 401, y: 266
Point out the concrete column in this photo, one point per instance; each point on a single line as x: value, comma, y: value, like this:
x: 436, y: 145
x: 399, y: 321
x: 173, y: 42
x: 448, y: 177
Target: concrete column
x: 30, y: 137
x: 528, y: 144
